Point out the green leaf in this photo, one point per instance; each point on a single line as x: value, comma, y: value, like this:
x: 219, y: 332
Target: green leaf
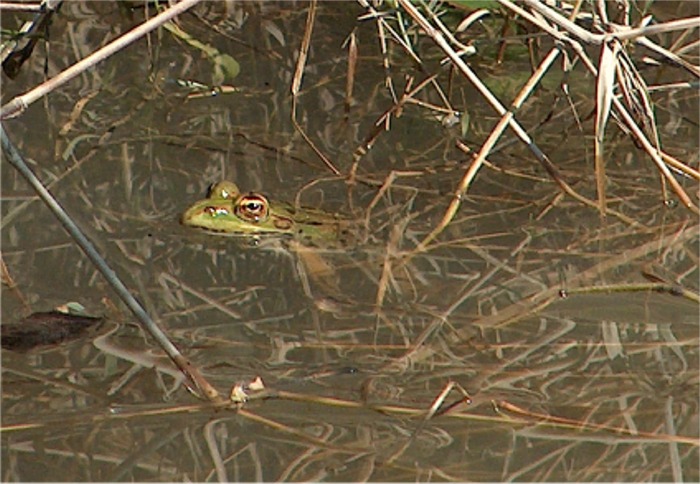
x: 225, y: 66
x: 475, y: 4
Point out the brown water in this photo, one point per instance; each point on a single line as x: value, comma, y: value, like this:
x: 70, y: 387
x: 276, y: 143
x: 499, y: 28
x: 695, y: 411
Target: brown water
x: 621, y: 366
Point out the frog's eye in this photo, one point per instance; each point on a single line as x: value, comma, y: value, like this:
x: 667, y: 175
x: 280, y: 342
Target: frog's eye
x: 253, y: 207
x: 223, y: 189
x: 216, y: 211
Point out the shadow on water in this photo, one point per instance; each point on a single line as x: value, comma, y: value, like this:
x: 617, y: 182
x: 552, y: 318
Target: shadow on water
x: 531, y: 340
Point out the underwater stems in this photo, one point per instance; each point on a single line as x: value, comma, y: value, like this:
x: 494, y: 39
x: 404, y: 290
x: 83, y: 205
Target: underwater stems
x: 110, y: 276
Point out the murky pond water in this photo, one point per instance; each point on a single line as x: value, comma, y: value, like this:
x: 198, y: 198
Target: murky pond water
x: 577, y: 369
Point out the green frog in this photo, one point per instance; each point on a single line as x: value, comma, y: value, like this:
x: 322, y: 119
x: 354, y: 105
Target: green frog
x: 227, y: 210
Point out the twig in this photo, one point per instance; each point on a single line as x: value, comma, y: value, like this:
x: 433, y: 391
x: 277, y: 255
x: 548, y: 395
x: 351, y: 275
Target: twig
x: 21, y: 7
x: 296, y: 84
x: 527, y: 416
x: 655, y: 156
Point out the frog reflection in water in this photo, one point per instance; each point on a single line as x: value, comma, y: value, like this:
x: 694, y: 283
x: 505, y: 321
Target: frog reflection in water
x: 228, y: 211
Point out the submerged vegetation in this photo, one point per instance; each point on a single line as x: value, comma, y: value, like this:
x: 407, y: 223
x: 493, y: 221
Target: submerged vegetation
x: 519, y: 296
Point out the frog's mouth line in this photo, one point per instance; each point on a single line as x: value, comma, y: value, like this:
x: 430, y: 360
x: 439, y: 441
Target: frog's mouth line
x: 242, y: 235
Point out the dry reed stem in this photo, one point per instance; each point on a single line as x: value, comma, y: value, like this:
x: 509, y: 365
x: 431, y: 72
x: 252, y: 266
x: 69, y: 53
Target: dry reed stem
x: 543, y: 298
x: 30, y: 373
x: 214, y: 453
x: 486, y: 148
x: 166, y: 277
x: 536, y: 302
x: 293, y: 471
x: 273, y: 424
x: 528, y: 416
x: 20, y: 7
x: 620, y: 32
x: 352, y: 69
x: 296, y: 84
x: 112, y: 413
x: 605, y: 84
x: 525, y: 416
x: 588, y: 37
x: 383, y: 122
x: 645, y: 42
x: 8, y: 281
x: 20, y: 103
x: 507, y: 119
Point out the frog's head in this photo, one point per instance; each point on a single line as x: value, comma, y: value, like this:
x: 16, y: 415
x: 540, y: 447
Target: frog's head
x: 247, y: 214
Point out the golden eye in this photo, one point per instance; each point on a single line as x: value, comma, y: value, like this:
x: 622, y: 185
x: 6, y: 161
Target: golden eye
x: 253, y: 207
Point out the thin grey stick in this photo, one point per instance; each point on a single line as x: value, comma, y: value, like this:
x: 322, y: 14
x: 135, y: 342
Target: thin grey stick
x: 16, y: 160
